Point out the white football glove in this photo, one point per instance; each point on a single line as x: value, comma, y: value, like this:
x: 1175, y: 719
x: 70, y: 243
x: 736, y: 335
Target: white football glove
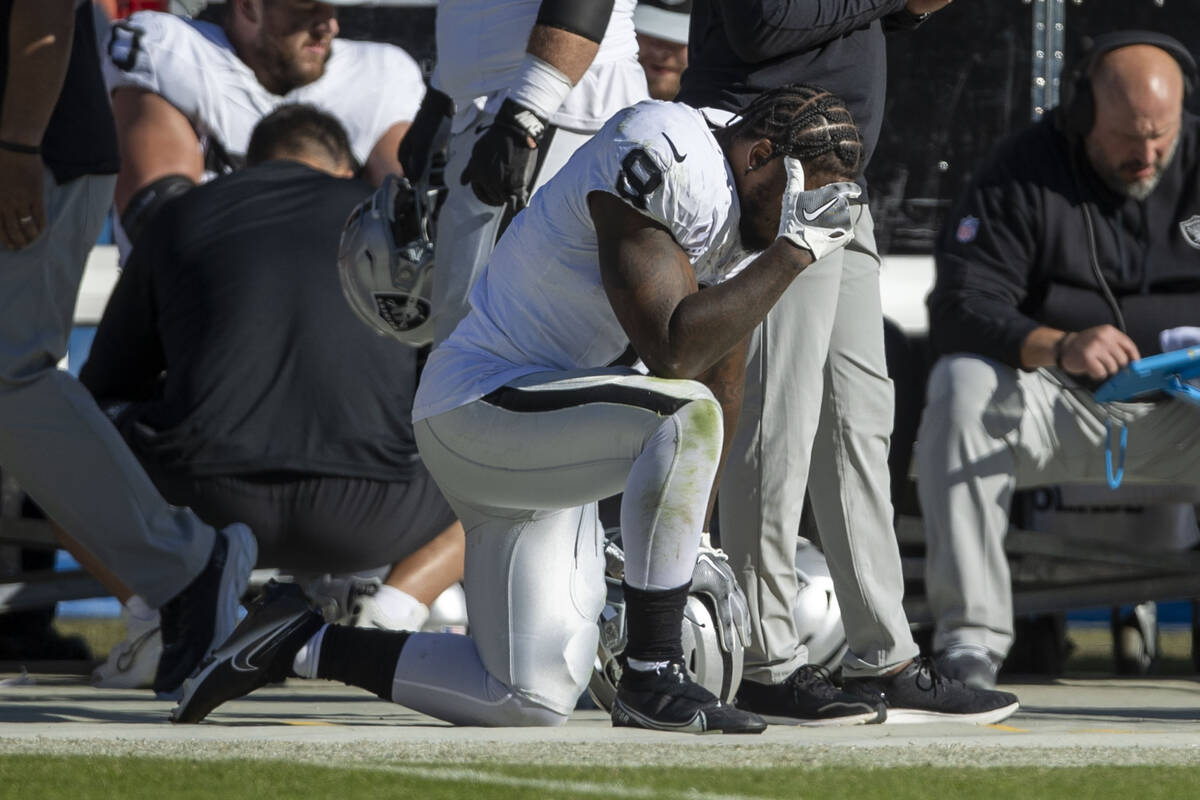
x: 818, y: 221
x: 1178, y: 338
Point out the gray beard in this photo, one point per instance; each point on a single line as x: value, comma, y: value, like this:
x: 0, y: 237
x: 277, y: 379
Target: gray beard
x: 1138, y: 190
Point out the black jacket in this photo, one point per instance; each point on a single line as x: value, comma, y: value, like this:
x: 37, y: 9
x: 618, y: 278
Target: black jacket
x: 739, y: 48
x: 1015, y: 252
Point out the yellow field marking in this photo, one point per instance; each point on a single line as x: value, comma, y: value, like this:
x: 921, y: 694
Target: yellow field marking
x: 1001, y: 727
x: 311, y: 722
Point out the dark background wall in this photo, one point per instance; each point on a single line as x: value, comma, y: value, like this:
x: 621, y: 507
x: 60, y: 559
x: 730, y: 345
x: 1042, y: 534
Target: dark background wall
x: 956, y: 85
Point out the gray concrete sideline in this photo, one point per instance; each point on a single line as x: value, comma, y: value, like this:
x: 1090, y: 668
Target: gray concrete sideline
x: 1061, y: 723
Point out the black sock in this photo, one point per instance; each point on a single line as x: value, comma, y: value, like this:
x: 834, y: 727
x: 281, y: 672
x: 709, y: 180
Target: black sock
x: 654, y: 620
x: 361, y: 657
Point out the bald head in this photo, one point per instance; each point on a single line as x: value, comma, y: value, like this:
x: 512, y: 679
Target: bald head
x: 1138, y: 93
x: 1140, y: 79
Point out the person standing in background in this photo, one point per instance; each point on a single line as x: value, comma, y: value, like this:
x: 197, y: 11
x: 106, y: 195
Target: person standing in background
x: 58, y: 158
x: 817, y: 412
x: 662, y: 36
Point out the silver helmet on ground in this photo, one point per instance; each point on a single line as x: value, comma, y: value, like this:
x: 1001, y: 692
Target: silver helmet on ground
x: 385, y: 261
x: 716, y: 624
x: 818, y: 617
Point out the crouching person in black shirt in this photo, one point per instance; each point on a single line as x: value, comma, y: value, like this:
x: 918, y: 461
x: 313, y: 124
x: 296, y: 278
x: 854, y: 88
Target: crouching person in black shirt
x: 251, y: 392
x: 1075, y: 251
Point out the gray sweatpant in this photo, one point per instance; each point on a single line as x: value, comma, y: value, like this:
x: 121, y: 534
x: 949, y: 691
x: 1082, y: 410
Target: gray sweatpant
x: 989, y: 429
x: 818, y: 413
x: 54, y: 440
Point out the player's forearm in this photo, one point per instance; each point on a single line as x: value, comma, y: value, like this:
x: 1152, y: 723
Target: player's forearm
x: 564, y: 41
x: 39, y: 49
x: 567, y: 52
x: 708, y: 324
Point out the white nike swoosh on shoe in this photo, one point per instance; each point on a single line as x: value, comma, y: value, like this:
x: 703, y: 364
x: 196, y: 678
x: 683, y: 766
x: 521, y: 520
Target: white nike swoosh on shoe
x: 242, y: 661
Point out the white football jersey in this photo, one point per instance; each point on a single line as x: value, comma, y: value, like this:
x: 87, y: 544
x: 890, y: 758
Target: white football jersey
x: 481, y: 46
x: 367, y: 86
x: 540, y: 304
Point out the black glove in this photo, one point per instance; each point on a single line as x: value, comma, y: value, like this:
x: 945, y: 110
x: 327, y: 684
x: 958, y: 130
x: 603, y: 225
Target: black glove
x: 505, y: 156
x: 428, y: 134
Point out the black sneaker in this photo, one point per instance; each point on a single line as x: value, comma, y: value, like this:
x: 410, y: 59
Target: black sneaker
x: 668, y: 700
x: 203, y: 615
x: 259, y: 652
x: 971, y: 664
x: 919, y: 693
x: 808, y: 697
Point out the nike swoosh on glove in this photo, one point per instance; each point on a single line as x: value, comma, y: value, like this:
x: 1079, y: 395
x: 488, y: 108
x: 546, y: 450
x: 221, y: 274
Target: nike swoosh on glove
x: 818, y: 220
x: 503, y: 160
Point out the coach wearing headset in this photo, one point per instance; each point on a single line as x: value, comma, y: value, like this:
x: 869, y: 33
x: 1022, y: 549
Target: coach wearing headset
x: 1075, y: 251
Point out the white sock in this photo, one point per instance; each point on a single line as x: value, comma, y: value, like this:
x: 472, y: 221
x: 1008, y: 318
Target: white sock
x: 138, y: 609
x: 392, y: 609
x: 305, y: 662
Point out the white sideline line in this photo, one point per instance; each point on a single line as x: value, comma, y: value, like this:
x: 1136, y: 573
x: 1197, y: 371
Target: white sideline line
x: 616, y: 789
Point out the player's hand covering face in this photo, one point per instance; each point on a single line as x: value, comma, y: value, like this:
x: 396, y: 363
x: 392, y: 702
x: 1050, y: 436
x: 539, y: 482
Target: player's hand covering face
x: 817, y: 220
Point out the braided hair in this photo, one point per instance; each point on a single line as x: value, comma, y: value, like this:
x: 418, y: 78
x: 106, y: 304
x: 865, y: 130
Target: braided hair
x: 804, y: 122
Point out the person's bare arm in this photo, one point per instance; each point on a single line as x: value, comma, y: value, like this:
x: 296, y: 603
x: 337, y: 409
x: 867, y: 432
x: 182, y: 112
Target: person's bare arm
x: 383, y: 160
x: 677, y: 330
x: 39, y: 49
x: 1098, y: 352
x: 571, y: 53
x: 156, y: 140
x: 564, y: 40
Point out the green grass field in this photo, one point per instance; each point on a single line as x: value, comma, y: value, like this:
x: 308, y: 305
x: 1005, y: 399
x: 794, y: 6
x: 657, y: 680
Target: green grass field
x: 50, y: 778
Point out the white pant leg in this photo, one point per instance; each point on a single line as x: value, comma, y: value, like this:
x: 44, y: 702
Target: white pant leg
x: 525, y: 483
x: 535, y: 588
x: 989, y: 429
x: 467, y: 229
x: 53, y: 438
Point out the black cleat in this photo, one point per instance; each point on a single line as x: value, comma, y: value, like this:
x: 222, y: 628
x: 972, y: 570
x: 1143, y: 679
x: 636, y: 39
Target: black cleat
x: 668, y: 700
x: 259, y: 652
x: 204, y: 614
x: 919, y: 693
x: 808, y: 697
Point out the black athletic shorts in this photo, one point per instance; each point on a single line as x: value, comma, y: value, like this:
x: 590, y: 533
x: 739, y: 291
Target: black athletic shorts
x: 318, y: 523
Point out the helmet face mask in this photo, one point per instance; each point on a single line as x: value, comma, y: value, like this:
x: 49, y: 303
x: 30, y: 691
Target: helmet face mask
x: 389, y: 285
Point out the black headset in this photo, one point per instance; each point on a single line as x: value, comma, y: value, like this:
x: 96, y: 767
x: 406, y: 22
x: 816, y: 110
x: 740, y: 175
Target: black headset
x: 1078, y: 106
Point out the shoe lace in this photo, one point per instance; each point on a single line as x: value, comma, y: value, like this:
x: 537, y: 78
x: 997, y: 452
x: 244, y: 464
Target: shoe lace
x: 928, y: 678
x: 129, y: 652
x: 813, y: 679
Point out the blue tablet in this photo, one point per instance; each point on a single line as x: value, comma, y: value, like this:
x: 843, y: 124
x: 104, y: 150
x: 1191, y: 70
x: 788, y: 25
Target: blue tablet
x: 1168, y: 372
